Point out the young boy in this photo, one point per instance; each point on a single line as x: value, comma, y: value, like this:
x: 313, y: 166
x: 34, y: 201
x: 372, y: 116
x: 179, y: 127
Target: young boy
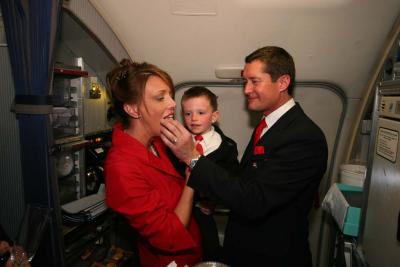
x: 200, y: 114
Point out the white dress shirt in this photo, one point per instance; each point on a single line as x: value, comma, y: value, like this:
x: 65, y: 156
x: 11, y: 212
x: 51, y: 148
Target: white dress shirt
x: 211, y: 141
x: 272, y: 118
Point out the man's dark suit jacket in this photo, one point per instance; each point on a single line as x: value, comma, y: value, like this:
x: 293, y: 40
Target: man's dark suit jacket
x: 271, y: 195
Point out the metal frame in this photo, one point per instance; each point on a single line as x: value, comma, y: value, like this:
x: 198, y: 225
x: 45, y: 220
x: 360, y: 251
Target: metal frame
x: 310, y: 84
x: 386, y: 88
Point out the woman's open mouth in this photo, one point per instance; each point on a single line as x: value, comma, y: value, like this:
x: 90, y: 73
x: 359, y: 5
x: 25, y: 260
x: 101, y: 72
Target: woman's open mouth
x: 170, y: 116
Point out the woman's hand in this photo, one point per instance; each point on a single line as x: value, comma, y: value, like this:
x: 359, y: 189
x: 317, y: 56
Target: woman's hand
x: 178, y: 139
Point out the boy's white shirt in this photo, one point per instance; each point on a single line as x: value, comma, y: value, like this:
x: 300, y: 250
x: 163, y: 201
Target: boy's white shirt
x: 211, y: 141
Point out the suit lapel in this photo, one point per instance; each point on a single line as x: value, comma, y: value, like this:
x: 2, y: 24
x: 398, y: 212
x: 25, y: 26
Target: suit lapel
x: 273, y: 133
x: 219, y: 153
x: 282, y: 124
x: 138, y: 152
x: 248, y: 152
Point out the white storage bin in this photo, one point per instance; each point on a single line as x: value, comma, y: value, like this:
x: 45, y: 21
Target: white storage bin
x: 353, y: 174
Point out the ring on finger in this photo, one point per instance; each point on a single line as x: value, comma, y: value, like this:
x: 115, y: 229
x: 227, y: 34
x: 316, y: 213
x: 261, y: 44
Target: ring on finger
x: 175, y: 140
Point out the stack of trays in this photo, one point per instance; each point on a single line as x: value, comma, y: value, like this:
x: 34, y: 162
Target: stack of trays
x: 352, y: 174
x: 85, y: 209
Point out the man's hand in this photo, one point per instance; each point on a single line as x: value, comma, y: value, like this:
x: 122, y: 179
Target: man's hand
x: 178, y: 139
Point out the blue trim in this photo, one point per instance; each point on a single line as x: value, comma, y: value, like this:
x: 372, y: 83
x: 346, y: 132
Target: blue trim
x: 352, y: 221
x: 34, y: 99
x: 349, y: 188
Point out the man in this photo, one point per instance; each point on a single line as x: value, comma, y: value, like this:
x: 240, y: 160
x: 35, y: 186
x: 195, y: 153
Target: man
x: 279, y: 173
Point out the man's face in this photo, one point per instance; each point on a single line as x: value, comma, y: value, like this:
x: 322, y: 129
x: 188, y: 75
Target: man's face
x: 261, y: 92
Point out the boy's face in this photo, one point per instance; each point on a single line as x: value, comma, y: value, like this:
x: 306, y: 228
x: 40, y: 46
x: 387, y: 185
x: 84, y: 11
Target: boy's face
x: 198, y: 114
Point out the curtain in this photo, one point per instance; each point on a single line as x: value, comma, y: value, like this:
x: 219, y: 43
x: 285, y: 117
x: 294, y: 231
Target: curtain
x: 31, y: 29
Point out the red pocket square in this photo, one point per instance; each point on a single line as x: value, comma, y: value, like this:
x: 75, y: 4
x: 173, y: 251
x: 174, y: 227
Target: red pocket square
x: 258, y: 150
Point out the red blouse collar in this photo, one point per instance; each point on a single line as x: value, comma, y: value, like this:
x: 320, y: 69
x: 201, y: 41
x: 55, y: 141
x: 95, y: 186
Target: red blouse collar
x: 130, y: 145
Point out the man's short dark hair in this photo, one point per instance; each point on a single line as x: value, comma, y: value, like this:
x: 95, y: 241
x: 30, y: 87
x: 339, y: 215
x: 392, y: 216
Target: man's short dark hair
x: 277, y: 62
x: 198, y: 91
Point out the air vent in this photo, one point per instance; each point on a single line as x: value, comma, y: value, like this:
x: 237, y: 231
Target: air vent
x: 194, y: 7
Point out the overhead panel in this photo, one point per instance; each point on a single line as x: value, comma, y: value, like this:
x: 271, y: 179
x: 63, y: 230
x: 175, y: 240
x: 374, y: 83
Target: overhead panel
x: 194, y: 7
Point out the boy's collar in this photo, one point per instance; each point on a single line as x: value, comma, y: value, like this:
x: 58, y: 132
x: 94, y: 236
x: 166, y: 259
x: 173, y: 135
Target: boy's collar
x: 208, y: 133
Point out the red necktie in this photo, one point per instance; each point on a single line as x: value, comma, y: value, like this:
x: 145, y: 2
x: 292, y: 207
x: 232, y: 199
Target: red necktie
x: 199, y: 147
x: 259, y: 130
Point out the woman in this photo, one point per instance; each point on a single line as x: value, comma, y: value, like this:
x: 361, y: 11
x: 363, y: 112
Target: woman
x: 141, y: 182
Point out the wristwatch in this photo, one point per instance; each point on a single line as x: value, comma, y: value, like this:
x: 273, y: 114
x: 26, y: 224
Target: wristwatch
x: 193, y: 162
